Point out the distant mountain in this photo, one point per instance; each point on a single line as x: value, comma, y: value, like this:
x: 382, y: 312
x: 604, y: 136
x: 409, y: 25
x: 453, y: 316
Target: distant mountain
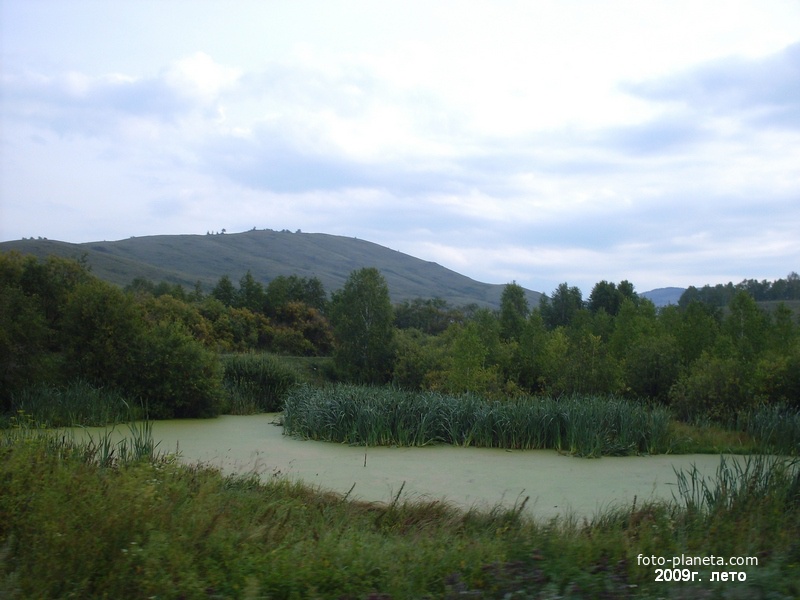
x: 186, y: 259
x: 664, y: 296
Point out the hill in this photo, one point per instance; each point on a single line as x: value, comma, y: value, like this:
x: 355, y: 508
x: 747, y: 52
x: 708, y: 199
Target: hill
x: 664, y: 296
x: 187, y: 259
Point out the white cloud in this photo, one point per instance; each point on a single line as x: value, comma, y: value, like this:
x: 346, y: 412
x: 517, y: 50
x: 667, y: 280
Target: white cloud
x: 200, y: 75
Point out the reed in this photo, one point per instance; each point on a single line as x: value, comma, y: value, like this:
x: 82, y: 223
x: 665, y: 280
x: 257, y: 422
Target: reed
x: 586, y: 426
x: 256, y: 382
x: 739, y: 484
x: 78, y: 402
x: 775, y: 428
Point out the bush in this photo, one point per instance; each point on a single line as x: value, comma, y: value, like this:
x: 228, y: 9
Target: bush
x: 714, y: 387
x: 174, y: 376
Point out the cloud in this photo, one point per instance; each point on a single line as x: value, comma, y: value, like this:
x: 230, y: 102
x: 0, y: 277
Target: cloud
x: 763, y: 91
x: 75, y: 103
x: 483, y: 157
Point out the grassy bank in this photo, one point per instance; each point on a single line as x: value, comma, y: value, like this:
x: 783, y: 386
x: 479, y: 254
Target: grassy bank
x: 78, y: 521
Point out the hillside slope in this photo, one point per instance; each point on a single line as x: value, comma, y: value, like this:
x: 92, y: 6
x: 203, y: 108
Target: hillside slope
x: 186, y: 259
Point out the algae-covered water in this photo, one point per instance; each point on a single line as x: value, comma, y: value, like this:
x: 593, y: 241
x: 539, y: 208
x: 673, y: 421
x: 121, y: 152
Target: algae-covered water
x: 480, y: 477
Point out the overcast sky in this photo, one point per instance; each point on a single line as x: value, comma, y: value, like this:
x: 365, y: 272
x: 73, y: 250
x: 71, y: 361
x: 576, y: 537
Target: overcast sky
x: 535, y: 141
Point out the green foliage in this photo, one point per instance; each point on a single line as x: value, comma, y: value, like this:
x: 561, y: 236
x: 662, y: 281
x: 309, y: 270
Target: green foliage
x: 776, y: 428
x: 24, y: 343
x: 430, y: 315
x: 76, y: 402
x: 746, y: 327
x: 586, y: 426
x: 467, y: 369
x: 697, y: 330
x: 564, y: 305
x: 251, y: 294
x: 256, y: 382
x: 224, y: 291
x: 417, y: 357
x: 776, y: 378
x: 513, y: 312
x: 652, y: 366
x: 713, y: 387
x: 100, y: 326
x: 722, y: 294
x: 362, y: 319
x: 32, y: 296
x: 174, y: 375
x: 78, y: 328
x: 283, y: 290
x: 59, y: 323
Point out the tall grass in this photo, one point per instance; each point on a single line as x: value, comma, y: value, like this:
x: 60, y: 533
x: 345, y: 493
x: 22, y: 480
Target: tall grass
x: 78, y: 402
x: 376, y: 416
x: 109, y: 448
x: 775, y: 428
x: 256, y: 382
x: 740, y: 483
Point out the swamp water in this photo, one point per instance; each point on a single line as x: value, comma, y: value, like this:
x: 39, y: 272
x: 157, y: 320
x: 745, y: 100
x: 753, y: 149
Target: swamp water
x: 467, y: 477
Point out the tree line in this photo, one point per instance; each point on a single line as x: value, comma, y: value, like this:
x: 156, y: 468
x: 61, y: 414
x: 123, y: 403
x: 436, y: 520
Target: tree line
x: 760, y: 291
x: 161, y: 343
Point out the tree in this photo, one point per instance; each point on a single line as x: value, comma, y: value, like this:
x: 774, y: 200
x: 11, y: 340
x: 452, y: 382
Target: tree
x: 605, y: 296
x: 282, y: 290
x: 698, y: 330
x: 560, y: 310
x: 362, y: 321
x: 251, y: 294
x: 513, y: 312
x: 100, y: 326
x: 224, y: 291
x: 429, y: 315
x: 469, y: 370
x: 746, y: 326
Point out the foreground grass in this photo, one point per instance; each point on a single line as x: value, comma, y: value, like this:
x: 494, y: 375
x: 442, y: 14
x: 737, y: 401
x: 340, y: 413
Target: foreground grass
x: 89, y: 521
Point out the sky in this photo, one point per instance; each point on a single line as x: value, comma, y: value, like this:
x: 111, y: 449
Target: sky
x: 539, y: 142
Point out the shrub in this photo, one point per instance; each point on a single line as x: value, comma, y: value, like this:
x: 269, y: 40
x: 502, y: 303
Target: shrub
x: 173, y: 375
x: 713, y: 387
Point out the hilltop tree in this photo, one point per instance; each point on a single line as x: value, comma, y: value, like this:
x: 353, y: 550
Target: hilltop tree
x: 362, y: 321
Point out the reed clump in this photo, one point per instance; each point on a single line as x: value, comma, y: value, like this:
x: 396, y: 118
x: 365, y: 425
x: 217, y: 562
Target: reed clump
x: 78, y: 401
x: 376, y: 416
x: 777, y: 428
x: 256, y: 382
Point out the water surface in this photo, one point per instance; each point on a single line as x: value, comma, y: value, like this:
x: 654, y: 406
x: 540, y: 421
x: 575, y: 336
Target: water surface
x: 481, y: 477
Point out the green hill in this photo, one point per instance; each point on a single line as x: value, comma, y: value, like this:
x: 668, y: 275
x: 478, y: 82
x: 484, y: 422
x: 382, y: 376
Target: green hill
x: 186, y: 259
